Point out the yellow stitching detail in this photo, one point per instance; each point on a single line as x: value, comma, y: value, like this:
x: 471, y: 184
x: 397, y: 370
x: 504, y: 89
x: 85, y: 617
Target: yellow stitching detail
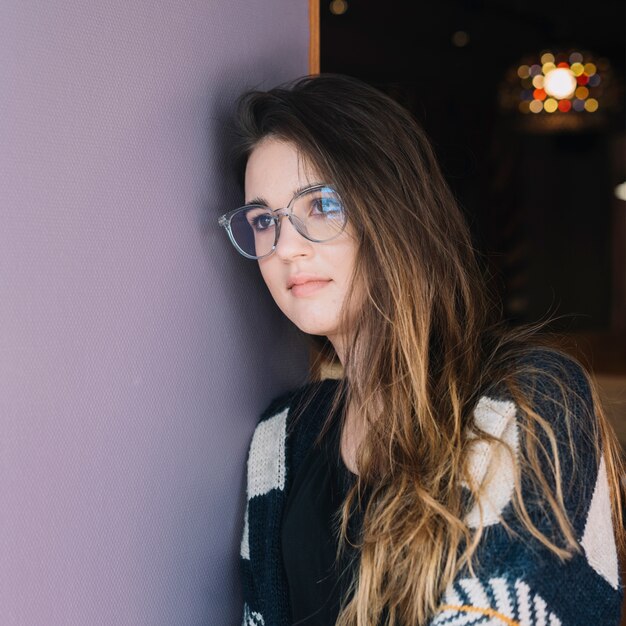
x: 475, y: 609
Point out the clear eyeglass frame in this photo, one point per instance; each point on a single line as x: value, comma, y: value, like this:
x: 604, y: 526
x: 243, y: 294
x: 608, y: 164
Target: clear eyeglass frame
x: 225, y: 220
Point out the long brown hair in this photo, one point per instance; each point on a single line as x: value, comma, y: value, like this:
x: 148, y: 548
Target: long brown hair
x: 427, y: 340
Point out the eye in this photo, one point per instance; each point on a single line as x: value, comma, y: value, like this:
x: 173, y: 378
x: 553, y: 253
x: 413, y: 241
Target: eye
x: 260, y: 221
x: 328, y: 206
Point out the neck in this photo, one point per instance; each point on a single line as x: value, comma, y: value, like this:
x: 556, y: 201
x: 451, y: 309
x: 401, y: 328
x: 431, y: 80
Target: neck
x: 338, y: 344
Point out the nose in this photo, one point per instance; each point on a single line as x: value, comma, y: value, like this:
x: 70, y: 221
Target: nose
x: 290, y: 242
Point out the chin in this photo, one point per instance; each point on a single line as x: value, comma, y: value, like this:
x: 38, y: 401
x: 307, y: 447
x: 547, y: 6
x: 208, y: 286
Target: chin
x: 314, y: 328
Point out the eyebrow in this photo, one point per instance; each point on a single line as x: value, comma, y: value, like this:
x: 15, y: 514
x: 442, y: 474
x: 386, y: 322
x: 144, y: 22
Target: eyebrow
x: 259, y: 200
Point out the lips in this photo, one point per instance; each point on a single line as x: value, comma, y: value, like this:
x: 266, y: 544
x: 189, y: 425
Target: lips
x: 303, y: 285
x: 302, y: 279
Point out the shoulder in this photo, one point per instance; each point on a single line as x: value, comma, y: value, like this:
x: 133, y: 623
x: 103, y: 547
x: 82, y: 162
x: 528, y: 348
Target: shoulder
x: 549, y: 397
x: 549, y: 425
x: 535, y: 452
x: 549, y: 428
x: 311, y: 396
x: 544, y: 414
x: 541, y: 390
x: 267, y: 456
x: 542, y: 373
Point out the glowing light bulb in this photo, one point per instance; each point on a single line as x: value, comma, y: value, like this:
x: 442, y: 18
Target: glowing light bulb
x: 582, y: 93
x: 590, y: 69
x: 560, y: 83
x: 550, y: 105
x: 577, y: 69
x: 338, y: 7
x: 460, y: 38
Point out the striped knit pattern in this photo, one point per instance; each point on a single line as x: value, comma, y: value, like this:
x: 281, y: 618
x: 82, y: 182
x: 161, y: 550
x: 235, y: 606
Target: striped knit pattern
x: 516, y: 580
x: 493, y: 601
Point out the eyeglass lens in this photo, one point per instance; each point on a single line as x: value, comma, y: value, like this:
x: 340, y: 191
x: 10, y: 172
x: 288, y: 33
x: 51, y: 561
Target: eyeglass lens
x: 318, y: 214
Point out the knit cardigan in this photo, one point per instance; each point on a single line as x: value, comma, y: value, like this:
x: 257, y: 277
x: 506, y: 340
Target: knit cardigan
x: 518, y: 581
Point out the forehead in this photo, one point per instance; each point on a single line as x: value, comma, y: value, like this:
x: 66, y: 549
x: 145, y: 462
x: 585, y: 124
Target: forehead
x: 276, y: 169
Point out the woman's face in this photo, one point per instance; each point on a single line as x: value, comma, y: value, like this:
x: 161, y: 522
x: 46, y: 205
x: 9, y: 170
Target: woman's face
x: 275, y: 171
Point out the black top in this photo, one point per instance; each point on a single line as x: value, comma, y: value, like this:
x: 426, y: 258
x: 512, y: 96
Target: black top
x: 309, y: 534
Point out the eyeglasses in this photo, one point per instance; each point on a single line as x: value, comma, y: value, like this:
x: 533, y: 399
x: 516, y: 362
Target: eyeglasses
x: 315, y: 212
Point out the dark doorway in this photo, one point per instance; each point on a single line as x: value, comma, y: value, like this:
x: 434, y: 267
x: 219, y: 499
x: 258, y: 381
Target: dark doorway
x: 540, y: 201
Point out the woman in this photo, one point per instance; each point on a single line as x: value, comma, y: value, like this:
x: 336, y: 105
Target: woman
x: 456, y: 472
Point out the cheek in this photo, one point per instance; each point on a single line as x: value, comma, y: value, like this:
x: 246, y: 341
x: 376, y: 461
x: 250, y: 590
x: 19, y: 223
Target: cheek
x: 345, y: 263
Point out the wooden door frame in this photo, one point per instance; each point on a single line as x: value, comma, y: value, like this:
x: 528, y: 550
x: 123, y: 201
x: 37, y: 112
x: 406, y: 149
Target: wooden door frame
x: 314, y: 36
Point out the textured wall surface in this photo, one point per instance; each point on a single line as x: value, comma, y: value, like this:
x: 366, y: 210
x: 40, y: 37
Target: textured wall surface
x: 136, y: 347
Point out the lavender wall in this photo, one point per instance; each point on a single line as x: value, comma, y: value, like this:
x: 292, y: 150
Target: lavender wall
x: 136, y: 348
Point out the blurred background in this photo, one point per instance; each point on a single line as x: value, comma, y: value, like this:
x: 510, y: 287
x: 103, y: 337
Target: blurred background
x: 524, y: 105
